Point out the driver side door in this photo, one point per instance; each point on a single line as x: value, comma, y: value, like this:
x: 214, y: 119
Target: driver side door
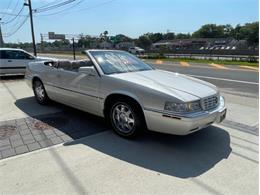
x: 80, y: 90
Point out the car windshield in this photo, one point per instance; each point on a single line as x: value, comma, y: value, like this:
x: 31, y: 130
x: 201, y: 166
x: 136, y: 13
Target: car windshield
x: 112, y: 62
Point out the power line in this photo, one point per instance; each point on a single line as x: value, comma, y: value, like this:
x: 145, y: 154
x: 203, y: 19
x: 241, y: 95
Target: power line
x: 8, y: 6
x: 14, y: 24
x: 38, y: 10
x: 61, y: 11
x: 13, y: 10
x: 18, y: 28
x: 12, y: 19
x: 78, y: 10
x: 11, y: 14
x: 51, y: 3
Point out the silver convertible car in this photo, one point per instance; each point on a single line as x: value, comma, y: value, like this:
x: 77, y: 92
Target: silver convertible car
x: 131, y: 94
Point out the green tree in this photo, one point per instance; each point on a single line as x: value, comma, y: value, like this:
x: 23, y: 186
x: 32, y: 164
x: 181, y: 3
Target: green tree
x: 210, y: 31
x: 155, y: 37
x: 144, y: 41
x: 85, y: 41
x: 228, y: 30
x: 120, y: 38
x: 183, y: 36
x: 103, y: 36
x: 249, y: 32
x: 168, y: 36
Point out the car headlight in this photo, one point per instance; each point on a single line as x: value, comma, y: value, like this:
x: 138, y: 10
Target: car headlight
x: 221, y: 101
x: 183, y: 107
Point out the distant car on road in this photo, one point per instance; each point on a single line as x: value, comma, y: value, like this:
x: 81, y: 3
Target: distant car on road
x: 131, y: 94
x: 136, y: 50
x: 14, y: 61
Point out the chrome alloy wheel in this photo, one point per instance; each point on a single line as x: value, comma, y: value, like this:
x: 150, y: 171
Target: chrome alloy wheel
x: 39, y: 90
x: 123, y: 118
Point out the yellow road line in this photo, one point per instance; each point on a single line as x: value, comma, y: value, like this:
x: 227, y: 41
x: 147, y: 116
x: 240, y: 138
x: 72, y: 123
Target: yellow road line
x: 250, y: 67
x: 218, y: 66
x: 158, y: 62
x: 186, y: 64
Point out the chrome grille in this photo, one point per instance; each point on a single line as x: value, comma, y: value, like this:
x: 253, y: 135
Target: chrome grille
x: 209, y: 103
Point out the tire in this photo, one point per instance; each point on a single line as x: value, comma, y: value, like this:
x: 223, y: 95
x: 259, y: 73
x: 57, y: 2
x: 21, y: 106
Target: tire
x: 126, y: 119
x: 40, y: 92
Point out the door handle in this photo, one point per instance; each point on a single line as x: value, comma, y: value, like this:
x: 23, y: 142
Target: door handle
x: 9, y: 61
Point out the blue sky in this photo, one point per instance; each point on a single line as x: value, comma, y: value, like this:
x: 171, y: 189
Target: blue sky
x: 129, y: 17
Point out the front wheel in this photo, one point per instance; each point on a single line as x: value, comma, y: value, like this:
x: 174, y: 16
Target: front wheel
x: 39, y: 92
x: 126, y: 119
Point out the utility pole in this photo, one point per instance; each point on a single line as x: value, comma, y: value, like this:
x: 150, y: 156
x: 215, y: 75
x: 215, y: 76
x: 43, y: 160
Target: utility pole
x: 73, y: 47
x: 1, y: 36
x: 32, y: 29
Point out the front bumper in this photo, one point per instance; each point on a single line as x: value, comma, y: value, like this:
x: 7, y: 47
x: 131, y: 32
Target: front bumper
x: 183, y: 125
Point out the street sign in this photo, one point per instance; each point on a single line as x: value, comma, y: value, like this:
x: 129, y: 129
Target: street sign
x: 52, y: 35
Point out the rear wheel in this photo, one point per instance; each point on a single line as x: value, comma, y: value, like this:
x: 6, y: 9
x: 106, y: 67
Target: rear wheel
x: 126, y: 119
x: 39, y: 92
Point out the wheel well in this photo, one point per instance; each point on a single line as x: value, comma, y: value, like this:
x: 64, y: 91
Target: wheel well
x: 114, y: 97
x: 35, y: 79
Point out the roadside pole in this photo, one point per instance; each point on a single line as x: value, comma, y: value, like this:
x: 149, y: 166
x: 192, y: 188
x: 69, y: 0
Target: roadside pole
x: 32, y: 29
x: 1, y: 36
x: 42, y: 46
x: 73, y: 47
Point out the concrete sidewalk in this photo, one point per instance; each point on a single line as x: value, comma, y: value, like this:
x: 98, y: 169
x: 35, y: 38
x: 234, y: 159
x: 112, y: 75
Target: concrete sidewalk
x: 209, y: 162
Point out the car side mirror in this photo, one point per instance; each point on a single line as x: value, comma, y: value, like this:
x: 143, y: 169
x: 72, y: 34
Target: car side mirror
x: 88, y: 70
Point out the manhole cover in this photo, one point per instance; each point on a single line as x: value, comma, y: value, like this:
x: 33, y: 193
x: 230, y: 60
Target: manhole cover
x: 6, y: 131
x: 49, y: 123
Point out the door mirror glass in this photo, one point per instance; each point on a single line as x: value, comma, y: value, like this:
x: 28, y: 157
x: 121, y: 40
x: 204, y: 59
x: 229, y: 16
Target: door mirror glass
x: 88, y: 70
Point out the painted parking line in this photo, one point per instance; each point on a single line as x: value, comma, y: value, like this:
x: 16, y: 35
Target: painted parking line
x: 250, y: 67
x: 218, y: 66
x: 185, y: 64
x: 222, y: 79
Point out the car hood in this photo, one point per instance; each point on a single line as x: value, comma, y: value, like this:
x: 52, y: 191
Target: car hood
x: 178, y: 85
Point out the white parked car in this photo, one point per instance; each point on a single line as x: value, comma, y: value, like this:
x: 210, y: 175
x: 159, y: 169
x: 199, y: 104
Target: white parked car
x: 14, y: 61
x: 136, y: 50
x: 131, y: 94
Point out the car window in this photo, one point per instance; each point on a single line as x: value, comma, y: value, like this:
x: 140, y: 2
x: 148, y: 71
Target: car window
x: 26, y: 56
x: 1, y: 54
x: 112, y: 62
x: 21, y: 55
x: 14, y: 55
x: 8, y: 54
